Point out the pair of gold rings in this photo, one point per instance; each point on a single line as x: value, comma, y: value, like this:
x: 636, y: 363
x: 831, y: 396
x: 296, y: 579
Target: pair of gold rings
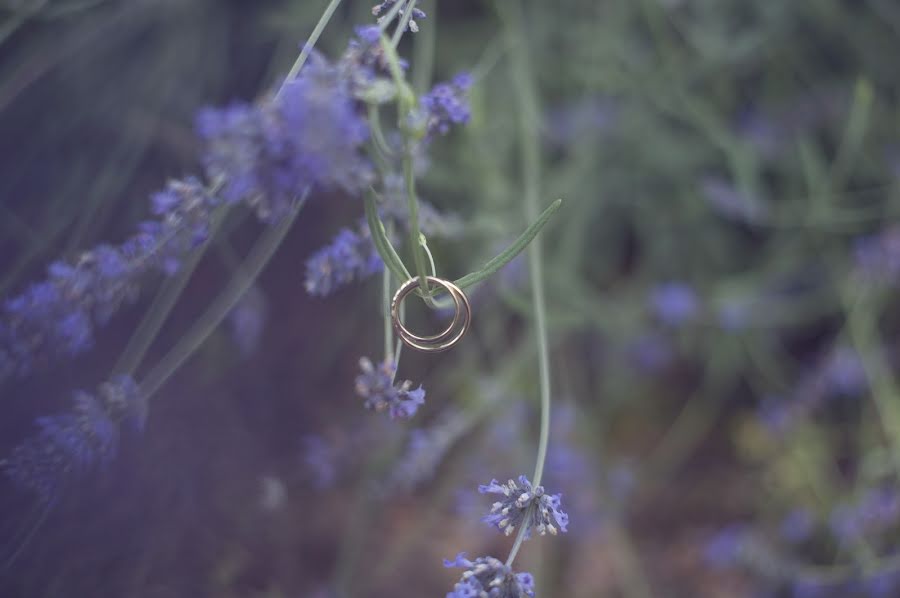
x: 438, y: 342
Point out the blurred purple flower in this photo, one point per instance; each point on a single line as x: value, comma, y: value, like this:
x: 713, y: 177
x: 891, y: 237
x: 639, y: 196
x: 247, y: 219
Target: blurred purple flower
x: 731, y: 202
x: 446, y: 105
x: 797, y: 526
x: 321, y: 461
x: 724, y: 549
x: 878, y: 255
x: 350, y: 256
x: 426, y: 449
x: 588, y: 116
x: 58, y: 317
x: 310, y: 135
x: 385, y: 7
x: 674, y: 303
x: 71, y: 443
x: 376, y: 386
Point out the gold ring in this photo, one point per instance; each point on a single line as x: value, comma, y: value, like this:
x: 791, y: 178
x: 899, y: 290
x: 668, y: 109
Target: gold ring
x: 443, y: 340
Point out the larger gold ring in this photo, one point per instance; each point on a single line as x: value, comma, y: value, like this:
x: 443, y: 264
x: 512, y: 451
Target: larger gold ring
x: 443, y: 340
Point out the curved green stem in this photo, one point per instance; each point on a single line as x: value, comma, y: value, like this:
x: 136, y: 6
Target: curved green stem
x: 530, y: 162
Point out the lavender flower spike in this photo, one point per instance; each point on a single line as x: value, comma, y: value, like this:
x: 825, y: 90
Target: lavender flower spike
x: 71, y: 443
x: 509, y: 512
x: 489, y: 577
x: 376, y: 386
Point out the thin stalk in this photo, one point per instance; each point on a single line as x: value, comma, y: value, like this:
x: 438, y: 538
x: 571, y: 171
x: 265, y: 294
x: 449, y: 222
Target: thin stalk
x: 165, y: 300
x: 259, y: 256
x: 415, y: 234
x: 309, y: 45
x: 530, y: 162
x: 386, y: 313
x: 403, y: 23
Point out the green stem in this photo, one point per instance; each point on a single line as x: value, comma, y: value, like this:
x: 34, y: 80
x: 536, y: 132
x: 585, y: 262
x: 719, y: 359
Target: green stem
x: 386, y: 313
x: 403, y: 23
x: 413, y: 207
x: 259, y: 256
x: 530, y: 162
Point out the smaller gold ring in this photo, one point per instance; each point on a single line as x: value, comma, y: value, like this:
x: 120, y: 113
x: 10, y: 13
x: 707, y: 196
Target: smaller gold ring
x: 438, y: 342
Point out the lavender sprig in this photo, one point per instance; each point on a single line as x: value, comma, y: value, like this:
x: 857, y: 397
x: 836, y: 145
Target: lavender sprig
x: 376, y: 385
x: 524, y: 504
x: 73, y: 442
x: 487, y: 576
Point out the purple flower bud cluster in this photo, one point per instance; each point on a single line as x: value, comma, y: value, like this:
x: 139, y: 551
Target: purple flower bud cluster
x: 731, y: 202
x: 376, y: 385
x: 878, y: 255
x: 350, y: 256
x: 489, y: 577
x: 73, y: 442
x: 876, y: 510
x: 674, y: 303
x: 309, y: 135
x: 521, y: 503
x: 839, y: 374
x: 446, y: 105
x: 426, y: 449
x: 57, y: 317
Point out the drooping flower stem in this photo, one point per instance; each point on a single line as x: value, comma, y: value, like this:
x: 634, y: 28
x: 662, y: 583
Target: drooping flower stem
x: 415, y: 234
x: 530, y: 161
x: 406, y: 103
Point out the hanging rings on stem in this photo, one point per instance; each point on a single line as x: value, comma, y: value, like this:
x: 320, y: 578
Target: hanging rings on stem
x: 443, y: 340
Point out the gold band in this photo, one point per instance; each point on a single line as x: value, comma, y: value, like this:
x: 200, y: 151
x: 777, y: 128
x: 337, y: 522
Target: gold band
x: 443, y: 340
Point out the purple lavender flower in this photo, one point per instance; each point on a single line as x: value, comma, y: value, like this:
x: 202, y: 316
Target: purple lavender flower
x: 310, y: 135
x: 878, y: 255
x: 71, y: 443
x: 376, y: 385
x: 797, y: 526
x: 446, y: 105
x: 247, y: 321
x: 350, y: 256
x: 385, y: 7
x: 425, y: 450
x: 57, y: 317
x: 487, y: 576
x: 674, y: 303
x: 724, y: 549
x: 519, y: 500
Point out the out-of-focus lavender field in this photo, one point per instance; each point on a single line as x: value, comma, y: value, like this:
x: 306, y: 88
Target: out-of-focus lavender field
x: 189, y: 283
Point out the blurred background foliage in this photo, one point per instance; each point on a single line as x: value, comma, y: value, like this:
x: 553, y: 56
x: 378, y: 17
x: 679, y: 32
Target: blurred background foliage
x: 721, y: 283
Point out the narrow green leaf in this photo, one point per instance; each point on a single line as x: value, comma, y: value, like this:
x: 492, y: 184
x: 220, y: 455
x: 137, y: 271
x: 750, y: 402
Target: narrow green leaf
x: 512, y: 251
